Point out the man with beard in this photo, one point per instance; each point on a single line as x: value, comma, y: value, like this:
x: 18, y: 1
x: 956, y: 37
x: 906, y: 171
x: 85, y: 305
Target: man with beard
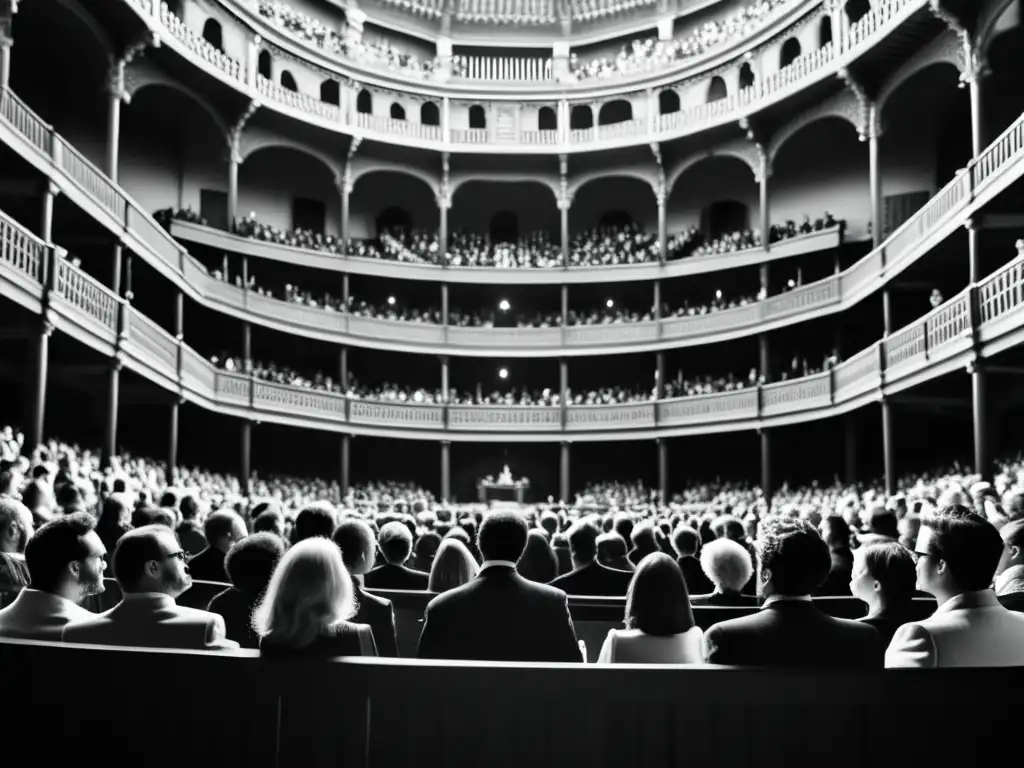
x: 65, y: 560
x: 149, y: 566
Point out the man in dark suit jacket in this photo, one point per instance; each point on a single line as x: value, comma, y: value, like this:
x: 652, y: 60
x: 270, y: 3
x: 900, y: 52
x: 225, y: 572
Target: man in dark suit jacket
x: 836, y: 532
x: 249, y: 563
x: 789, y: 631
x: 396, y: 546
x: 686, y: 543
x: 1010, y: 571
x: 223, y: 529
x: 358, y: 547
x: 589, y: 577
x: 499, y: 615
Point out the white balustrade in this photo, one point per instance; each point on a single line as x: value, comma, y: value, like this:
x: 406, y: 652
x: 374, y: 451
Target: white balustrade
x: 87, y: 295
x: 20, y: 250
x: 303, y: 102
x: 233, y: 388
x: 153, y: 344
x: 507, y: 418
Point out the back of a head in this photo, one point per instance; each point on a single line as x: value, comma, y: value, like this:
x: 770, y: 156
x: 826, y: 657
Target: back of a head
x: 610, y: 546
x: 426, y: 546
x: 643, y: 536
x: 15, y: 515
x: 134, y: 549
x: 685, y: 541
x: 311, y: 589
x: 458, y: 533
x: 114, y: 512
x: 836, y: 531
x: 170, y: 498
x: 968, y: 543
x: 314, y: 520
x: 729, y: 527
x: 892, y: 566
x: 268, y: 521
x: 395, y: 542
x: 583, y: 541
x: 884, y: 522
x: 727, y: 564
x: 251, y: 561
x: 502, y: 536
x: 266, y: 505
x: 54, y: 546
x: 549, y: 522
x: 658, y: 602
x: 795, y: 554
x: 69, y: 498
x: 622, y: 524
x: 357, y: 543
x: 453, y: 566
x: 1012, y: 534
x: 538, y: 562
x: 36, y: 494
x: 189, y: 507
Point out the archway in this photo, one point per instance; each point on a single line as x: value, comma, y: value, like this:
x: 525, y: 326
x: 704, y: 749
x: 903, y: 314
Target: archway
x: 288, y: 81
x: 705, y: 179
x: 613, y: 200
x: 857, y: 9
x: 746, y: 76
x: 264, y: 65
x: 581, y: 118
x: 397, y: 111
x: 394, y: 220
x: 724, y: 217
x: 477, y: 117
x: 376, y: 192
x: 364, y: 103
x: 547, y: 120
x: 790, y: 52
x: 618, y: 111
x: 824, y: 31
x: 504, y: 227
x: 668, y: 101
x: 287, y: 186
x: 430, y: 114
x: 717, y: 90
x: 213, y: 34
x: 330, y: 92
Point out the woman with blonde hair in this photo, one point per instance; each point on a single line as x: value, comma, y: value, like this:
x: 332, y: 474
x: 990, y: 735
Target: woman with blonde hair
x: 453, y: 566
x: 308, y: 603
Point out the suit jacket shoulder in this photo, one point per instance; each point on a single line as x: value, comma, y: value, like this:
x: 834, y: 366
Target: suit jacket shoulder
x: 379, y: 614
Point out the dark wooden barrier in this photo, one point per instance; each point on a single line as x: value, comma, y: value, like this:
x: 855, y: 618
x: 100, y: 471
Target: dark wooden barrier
x: 189, y: 709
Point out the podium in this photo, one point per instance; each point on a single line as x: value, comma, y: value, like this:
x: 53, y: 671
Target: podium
x: 495, y: 490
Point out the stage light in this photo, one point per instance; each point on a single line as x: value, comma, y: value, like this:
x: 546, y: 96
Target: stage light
x: 792, y: 283
x: 610, y: 303
x: 503, y: 373
x: 391, y: 301
x: 504, y: 306
x: 718, y: 295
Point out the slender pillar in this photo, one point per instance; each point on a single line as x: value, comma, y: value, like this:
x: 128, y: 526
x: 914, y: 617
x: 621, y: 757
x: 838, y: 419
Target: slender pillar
x: 128, y: 294
x: 442, y: 233
x: 445, y: 319
x: 114, y: 94
x: 973, y: 251
x: 563, y: 389
x: 5, y: 61
x: 343, y: 368
x: 850, y: 454
x: 172, y: 441
x: 875, y: 180
x: 563, y: 210
x: 446, y: 471
x: 888, y: 448
x: 659, y: 384
x: 565, y: 304
x: 662, y: 229
x: 764, y: 275
x: 977, y: 115
x: 979, y: 398
x: 763, y: 359
x: 113, y: 395
x: 346, y: 458
x: 766, y: 239
x: 766, y: 466
x: 657, y: 300
x: 233, y: 162
x: 886, y: 312
x: 39, y: 382
x: 563, y: 473
x: 344, y: 292
x: 445, y: 385
x: 663, y: 469
x: 245, y: 470
x: 343, y: 191
x: 117, y: 258
x: 247, y: 346
x: 46, y: 214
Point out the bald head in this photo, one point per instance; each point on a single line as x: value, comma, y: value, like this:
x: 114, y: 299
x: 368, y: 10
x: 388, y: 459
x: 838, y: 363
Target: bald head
x: 223, y: 528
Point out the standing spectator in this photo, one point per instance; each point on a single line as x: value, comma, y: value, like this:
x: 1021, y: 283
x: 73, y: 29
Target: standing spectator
x: 789, y: 631
x: 588, y: 576
x: 958, y: 552
x: 659, y: 620
x: 727, y: 565
x: 249, y: 564
x: 499, y: 615
x: 358, y: 548
x: 884, y: 579
x: 1010, y: 571
x: 396, y: 546
x: 453, y: 566
x: 223, y: 529
x: 66, y: 560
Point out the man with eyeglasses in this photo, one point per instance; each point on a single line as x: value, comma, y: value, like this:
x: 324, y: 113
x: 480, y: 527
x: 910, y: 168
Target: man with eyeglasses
x: 957, y: 553
x: 149, y: 565
x: 65, y: 560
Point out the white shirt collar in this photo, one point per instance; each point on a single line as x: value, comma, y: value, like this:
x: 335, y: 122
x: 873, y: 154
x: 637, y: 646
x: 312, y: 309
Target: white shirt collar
x: 130, y: 597
x: 497, y: 563
x: 1013, y: 573
x: 786, y: 599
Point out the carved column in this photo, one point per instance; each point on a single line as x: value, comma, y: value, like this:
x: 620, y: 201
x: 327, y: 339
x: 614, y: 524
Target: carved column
x: 7, y: 10
x: 235, y: 160
x: 446, y: 471
x: 563, y: 473
x: 344, y: 193
x: 115, y: 94
x: 662, y: 222
x: 444, y: 203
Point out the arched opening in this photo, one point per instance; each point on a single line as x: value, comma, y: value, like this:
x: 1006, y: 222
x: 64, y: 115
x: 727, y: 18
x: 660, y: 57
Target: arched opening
x: 174, y: 6
x: 724, y: 217
x: 857, y: 9
x: 790, y: 52
x: 477, y: 117
x: 581, y: 118
x: 713, y: 177
x: 824, y: 31
x: 617, y: 219
x: 364, y: 103
x: 547, y: 120
x: 263, y: 65
x: 504, y: 227
x: 213, y: 34
x: 397, y: 111
x: 618, y: 111
x: 430, y: 114
x: 717, y: 90
x: 668, y: 101
x: 287, y: 81
x: 746, y: 76
x: 289, y: 187
x: 395, y: 220
x: 330, y: 92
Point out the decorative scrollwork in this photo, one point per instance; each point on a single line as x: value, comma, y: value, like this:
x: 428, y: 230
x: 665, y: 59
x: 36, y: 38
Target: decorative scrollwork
x: 235, y: 134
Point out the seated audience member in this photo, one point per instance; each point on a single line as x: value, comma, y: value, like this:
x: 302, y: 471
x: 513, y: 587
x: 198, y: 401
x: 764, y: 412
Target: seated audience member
x: 150, y: 568
x: 957, y: 555
x: 789, y: 630
x: 732, y: 528
x: 114, y: 522
x: 884, y: 578
x: 453, y: 566
x: 190, y: 532
x: 659, y: 620
x: 15, y: 531
x: 560, y: 544
x: 308, y: 604
x: 38, y: 497
x: 315, y: 519
x: 269, y: 521
x: 611, y: 552
x: 1010, y: 572
x: 70, y: 499
x: 499, y: 615
x: 396, y: 545
x: 549, y: 522
x: 588, y: 576
x: 727, y: 565
x: 644, y: 542
x: 836, y: 533
x: 880, y: 526
x: 222, y: 529
x: 538, y: 563
x: 686, y: 544
x: 358, y: 545
x: 249, y: 564
x: 66, y: 560
x: 909, y: 527
x: 426, y: 550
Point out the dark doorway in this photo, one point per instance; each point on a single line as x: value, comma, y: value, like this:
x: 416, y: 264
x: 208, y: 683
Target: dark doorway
x: 725, y: 217
x: 504, y: 227
x: 212, y: 34
x: 213, y: 206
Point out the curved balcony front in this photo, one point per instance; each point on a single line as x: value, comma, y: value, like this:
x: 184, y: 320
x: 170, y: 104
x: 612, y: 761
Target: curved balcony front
x: 946, y: 339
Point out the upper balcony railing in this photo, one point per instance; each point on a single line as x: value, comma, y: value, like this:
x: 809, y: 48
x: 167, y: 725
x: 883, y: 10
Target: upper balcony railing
x: 519, y: 135
x: 1000, y: 164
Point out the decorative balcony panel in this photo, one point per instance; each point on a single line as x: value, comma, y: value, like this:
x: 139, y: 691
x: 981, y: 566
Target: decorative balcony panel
x: 504, y: 418
x: 234, y: 388
x: 299, y: 316
x: 158, y: 346
x: 1002, y: 292
x: 303, y: 102
x: 90, y: 178
x: 21, y: 251
x: 950, y: 322
x: 796, y: 395
x: 23, y: 120
x: 288, y: 399
x: 1000, y: 152
x: 624, y: 416
x: 378, y: 328
x: 198, y: 373
x: 903, y: 346
x: 504, y: 337
x: 396, y: 415
x: 807, y: 297
x: 193, y: 42
x: 690, y: 326
x: 398, y: 128
x: 705, y: 409
x: 610, y: 333
x: 860, y: 374
x: 88, y: 295
x: 167, y: 251
x: 223, y: 293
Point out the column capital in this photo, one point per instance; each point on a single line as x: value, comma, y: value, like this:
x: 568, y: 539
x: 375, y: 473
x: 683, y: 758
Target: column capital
x: 971, y: 225
x: 7, y: 10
